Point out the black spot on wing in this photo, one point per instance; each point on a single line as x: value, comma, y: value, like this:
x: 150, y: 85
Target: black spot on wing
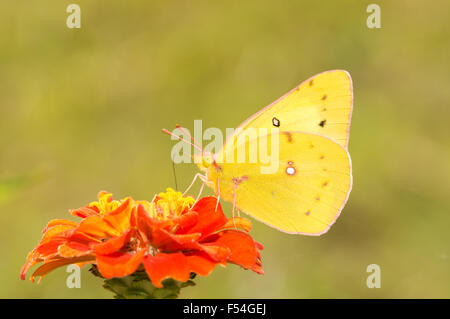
x: 276, y: 122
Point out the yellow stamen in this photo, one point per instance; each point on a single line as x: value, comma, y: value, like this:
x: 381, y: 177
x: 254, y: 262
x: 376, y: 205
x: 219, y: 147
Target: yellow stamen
x: 169, y: 204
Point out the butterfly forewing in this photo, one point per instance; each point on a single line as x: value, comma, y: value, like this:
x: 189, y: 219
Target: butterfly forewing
x: 322, y: 105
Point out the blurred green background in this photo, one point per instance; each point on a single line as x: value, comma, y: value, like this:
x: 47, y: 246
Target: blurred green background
x: 81, y: 110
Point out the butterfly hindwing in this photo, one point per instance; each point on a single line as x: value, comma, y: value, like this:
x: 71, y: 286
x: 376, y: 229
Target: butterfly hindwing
x: 306, y: 192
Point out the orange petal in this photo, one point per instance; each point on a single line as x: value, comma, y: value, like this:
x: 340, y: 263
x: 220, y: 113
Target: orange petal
x: 83, y: 238
x: 119, y: 264
x: 50, y: 248
x: 32, y: 259
x: 166, y: 241
x: 143, y: 220
x: 56, y: 222
x: 147, y: 224
x: 112, y: 245
x: 258, y: 268
x: 238, y: 222
x: 201, y: 265
x: 185, y: 222
x: 218, y: 253
x: 97, y: 227
x: 209, y: 219
x: 242, y: 247
x: 164, y: 266
x: 56, y: 263
x: 133, y: 217
x: 73, y: 249
x: 120, y: 217
x: 54, y: 231
x: 259, y: 246
x: 84, y: 212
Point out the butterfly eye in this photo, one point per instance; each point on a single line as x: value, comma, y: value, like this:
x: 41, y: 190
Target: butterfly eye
x: 276, y: 122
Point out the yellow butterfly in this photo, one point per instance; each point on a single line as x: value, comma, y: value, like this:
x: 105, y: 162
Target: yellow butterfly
x: 311, y: 185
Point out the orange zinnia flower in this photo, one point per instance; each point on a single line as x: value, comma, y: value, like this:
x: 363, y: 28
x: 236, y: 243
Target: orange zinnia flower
x: 171, y: 237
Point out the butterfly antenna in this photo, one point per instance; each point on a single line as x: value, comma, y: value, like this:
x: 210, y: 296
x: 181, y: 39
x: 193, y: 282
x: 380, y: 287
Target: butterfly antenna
x: 182, y: 139
x: 182, y: 129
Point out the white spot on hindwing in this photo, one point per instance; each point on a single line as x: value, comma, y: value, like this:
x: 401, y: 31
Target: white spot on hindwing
x: 290, y: 170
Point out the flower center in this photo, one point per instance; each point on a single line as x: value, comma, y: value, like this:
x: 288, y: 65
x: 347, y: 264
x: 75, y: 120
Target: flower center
x: 169, y: 205
x: 105, y: 203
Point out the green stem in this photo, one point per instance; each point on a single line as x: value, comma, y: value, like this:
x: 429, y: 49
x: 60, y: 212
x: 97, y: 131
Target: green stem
x: 139, y: 286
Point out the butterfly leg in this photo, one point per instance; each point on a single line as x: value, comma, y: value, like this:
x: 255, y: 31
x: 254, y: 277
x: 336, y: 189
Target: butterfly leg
x: 199, y: 193
x: 203, y: 179
x: 192, y: 183
x: 218, y: 194
x: 234, y: 207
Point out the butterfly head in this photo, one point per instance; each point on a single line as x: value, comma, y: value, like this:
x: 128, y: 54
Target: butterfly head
x: 207, y: 164
x: 204, y: 161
